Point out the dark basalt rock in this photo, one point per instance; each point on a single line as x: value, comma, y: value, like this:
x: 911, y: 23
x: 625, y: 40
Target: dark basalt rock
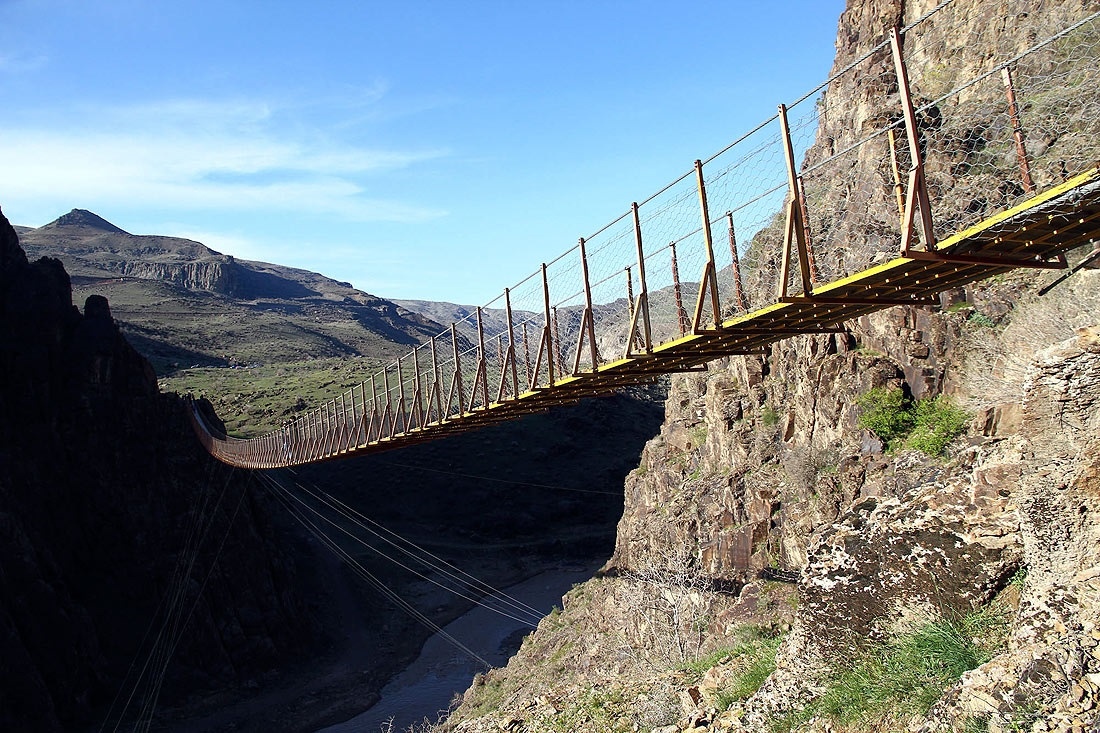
x: 101, y: 482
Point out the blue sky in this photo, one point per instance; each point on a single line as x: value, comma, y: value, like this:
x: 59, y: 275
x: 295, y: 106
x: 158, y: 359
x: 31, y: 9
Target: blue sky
x: 435, y: 150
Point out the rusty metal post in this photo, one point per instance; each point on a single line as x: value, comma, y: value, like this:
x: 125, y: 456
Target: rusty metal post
x: 527, y: 356
x: 341, y: 437
x: 588, y: 322
x: 738, y: 287
x: 375, y: 416
x: 418, y: 396
x: 796, y: 231
x: 557, y: 342
x: 362, y: 435
x: 629, y: 295
x: 710, y: 271
x: 806, y: 228
x: 401, y: 398
x: 334, y: 431
x: 315, y: 430
x: 643, y: 294
x: 456, y: 389
x: 1017, y: 132
x: 388, y: 411
x: 681, y: 313
x: 899, y: 190
x: 437, y: 386
x: 354, y: 437
x: 482, y: 373
x: 549, y: 335
x: 917, y: 195
x: 511, y: 344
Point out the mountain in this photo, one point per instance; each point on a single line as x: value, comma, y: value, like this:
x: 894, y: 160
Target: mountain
x: 182, y: 303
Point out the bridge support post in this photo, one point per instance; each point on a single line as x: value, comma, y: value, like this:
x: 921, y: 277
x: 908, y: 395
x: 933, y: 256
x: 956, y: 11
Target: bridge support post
x: 899, y: 190
x: 709, y: 280
x: 389, y: 420
x: 374, y: 426
x: 738, y: 287
x: 527, y: 356
x: 1017, y: 132
x: 401, y: 399
x: 343, y: 432
x: 510, y: 355
x: 814, y: 278
x: 456, y: 389
x: 417, y: 407
x: 641, y: 308
x: 481, y: 375
x: 588, y: 322
x: 795, y: 233
x: 917, y: 195
x: 681, y: 314
x: 557, y: 343
x: 547, y: 340
x: 435, y: 396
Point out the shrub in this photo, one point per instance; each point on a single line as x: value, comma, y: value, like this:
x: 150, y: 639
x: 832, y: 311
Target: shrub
x: 887, y: 413
x: 937, y: 423
x: 927, y: 425
x: 769, y: 417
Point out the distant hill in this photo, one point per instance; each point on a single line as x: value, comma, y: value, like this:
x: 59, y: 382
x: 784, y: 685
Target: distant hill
x: 183, y: 304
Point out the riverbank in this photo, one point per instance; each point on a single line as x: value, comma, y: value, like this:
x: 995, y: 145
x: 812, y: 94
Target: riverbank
x: 426, y: 688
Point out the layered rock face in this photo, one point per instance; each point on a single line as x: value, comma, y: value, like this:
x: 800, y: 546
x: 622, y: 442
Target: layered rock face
x: 762, y: 473
x: 110, y: 513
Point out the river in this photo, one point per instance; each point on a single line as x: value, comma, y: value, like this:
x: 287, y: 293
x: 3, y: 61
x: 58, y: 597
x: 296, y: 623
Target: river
x: 427, y: 686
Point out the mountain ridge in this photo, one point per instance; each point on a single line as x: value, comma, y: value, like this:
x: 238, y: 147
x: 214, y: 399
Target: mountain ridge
x: 174, y: 297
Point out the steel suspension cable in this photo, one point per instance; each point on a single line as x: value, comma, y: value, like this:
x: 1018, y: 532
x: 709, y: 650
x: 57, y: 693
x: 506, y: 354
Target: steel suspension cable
x: 367, y: 576
x: 532, y: 622
x: 443, y: 567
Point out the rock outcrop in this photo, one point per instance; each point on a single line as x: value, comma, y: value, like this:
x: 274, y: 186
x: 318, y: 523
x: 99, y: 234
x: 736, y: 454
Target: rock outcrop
x: 109, y: 508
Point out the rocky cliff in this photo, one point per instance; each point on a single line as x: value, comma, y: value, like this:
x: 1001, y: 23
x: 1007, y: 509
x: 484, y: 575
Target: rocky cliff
x: 773, y: 550
x: 113, y: 520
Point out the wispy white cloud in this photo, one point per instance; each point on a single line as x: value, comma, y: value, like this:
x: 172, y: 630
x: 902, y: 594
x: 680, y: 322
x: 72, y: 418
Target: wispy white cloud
x: 203, y: 154
x: 21, y: 63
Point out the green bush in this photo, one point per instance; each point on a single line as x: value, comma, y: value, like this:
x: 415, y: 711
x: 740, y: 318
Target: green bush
x: 926, y: 425
x: 888, y: 413
x: 938, y: 422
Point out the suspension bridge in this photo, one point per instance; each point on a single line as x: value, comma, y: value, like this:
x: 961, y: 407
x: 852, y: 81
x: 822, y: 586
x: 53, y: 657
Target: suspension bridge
x: 915, y: 180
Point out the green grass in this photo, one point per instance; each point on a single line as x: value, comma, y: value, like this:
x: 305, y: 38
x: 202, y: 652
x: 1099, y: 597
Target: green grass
x: 605, y: 710
x: 255, y: 400
x: 753, y: 655
x: 907, y: 675
x: 982, y: 320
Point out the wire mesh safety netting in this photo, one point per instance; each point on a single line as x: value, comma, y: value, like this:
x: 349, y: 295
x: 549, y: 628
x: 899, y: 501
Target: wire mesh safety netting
x: 991, y: 129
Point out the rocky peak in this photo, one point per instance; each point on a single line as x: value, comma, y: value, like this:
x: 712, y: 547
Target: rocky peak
x: 84, y: 218
x: 12, y: 256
